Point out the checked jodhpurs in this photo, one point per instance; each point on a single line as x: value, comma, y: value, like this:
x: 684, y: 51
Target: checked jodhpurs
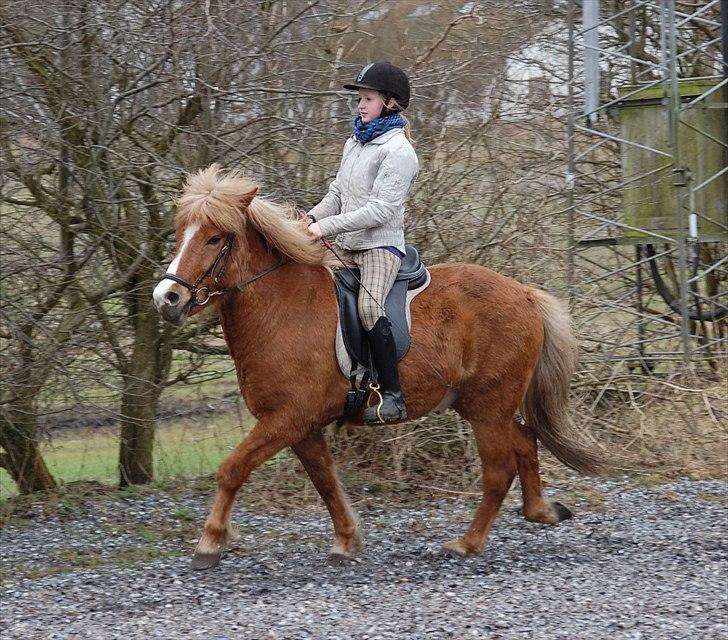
x: 378, y: 268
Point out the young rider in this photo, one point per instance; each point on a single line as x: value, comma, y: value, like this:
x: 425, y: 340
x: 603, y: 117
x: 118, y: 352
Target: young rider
x: 364, y: 211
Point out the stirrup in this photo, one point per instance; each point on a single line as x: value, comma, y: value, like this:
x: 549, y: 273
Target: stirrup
x: 374, y: 389
x: 393, y: 401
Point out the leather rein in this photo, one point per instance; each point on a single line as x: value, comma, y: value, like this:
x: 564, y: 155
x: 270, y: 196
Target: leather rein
x: 221, y: 260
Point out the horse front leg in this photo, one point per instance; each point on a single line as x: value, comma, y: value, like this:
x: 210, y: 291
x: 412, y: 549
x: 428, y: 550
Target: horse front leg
x: 314, y: 454
x: 269, y: 436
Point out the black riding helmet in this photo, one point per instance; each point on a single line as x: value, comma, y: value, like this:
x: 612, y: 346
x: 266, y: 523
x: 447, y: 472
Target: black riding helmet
x: 384, y: 77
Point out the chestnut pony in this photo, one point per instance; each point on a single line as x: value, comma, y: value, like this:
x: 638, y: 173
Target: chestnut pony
x: 482, y: 343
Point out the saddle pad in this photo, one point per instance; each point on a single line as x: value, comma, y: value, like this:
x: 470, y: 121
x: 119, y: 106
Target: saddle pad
x: 397, y: 307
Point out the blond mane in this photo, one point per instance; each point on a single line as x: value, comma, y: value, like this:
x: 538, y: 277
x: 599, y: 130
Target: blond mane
x: 228, y: 201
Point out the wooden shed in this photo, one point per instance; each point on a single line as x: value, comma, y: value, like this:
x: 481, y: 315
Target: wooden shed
x: 649, y: 197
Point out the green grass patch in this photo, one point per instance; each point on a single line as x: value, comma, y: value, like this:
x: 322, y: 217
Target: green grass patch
x: 183, y: 448
x: 68, y: 560
x: 185, y: 515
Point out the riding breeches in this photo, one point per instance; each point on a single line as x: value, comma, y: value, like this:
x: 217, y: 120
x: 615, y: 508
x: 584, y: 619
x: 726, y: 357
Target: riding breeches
x: 378, y: 268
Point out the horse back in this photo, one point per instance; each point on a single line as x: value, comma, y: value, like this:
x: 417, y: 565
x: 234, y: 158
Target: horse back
x: 479, y: 321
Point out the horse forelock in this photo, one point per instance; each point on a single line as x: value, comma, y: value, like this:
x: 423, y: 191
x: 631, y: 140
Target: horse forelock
x: 227, y: 201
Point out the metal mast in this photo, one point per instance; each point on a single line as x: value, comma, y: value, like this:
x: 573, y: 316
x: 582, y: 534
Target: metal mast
x: 648, y: 263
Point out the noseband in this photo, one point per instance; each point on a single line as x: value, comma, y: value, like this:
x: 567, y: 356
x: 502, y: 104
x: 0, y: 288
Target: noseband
x: 221, y: 260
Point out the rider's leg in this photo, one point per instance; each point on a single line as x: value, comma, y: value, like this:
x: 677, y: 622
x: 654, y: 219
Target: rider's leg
x: 378, y: 269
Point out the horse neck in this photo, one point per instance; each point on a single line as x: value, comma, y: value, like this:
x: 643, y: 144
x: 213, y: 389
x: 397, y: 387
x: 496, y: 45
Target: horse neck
x: 250, y: 315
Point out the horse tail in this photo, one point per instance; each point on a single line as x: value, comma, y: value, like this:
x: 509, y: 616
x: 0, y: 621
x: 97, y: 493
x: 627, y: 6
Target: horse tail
x: 545, y: 407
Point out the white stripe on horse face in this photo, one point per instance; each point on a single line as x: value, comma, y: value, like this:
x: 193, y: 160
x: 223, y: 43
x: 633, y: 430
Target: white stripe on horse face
x: 161, y: 289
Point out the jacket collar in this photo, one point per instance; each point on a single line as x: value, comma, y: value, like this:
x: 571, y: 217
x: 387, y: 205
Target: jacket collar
x: 388, y: 135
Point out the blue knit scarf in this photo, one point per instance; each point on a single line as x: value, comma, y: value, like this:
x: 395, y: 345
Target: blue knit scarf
x: 367, y: 132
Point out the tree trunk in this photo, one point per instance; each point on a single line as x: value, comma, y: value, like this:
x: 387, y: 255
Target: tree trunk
x: 22, y: 458
x: 142, y: 384
x: 138, y: 424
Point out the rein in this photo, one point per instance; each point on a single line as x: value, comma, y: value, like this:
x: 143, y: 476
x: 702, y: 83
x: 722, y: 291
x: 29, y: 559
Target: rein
x: 194, y: 287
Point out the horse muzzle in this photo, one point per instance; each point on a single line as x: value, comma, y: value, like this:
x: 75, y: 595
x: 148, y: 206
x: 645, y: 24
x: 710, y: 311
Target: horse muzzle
x: 171, y: 304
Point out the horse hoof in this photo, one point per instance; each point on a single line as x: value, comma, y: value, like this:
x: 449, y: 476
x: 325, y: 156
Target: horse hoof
x: 550, y: 513
x: 203, y: 561
x: 562, y: 512
x: 457, y: 549
x: 341, y: 559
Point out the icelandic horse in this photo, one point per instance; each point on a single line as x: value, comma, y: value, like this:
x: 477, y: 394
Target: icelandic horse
x: 482, y: 343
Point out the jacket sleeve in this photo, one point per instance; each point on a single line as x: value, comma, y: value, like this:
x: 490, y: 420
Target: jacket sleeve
x: 391, y: 187
x: 330, y: 205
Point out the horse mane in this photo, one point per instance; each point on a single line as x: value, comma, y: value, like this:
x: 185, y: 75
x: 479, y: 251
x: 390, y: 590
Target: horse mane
x: 227, y: 200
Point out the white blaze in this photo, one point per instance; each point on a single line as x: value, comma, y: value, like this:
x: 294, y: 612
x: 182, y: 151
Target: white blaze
x: 161, y: 289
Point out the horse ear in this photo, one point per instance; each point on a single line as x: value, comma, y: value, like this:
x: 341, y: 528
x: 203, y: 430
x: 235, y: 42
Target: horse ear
x: 248, y: 197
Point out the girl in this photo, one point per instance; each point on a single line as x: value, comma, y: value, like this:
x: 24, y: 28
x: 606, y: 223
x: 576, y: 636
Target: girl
x: 364, y: 211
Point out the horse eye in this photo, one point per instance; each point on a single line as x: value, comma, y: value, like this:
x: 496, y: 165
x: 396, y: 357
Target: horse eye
x: 214, y: 240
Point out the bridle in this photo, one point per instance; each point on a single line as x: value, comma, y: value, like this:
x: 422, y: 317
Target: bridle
x: 221, y: 260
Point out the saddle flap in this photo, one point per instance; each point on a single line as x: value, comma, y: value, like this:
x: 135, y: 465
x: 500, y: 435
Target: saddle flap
x: 413, y: 276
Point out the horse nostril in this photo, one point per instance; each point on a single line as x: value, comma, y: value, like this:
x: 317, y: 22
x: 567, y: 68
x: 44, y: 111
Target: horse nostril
x: 172, y: 298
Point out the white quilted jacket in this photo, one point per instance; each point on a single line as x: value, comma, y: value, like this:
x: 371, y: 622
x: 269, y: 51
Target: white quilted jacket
x: 364, y: 207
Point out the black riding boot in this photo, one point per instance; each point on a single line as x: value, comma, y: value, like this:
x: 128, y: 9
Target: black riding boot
x: 384, y: 354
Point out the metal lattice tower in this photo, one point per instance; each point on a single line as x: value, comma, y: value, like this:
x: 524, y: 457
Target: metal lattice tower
x: 648, y: 261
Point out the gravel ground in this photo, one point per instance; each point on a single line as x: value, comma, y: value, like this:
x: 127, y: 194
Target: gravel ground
x: 635, y: 562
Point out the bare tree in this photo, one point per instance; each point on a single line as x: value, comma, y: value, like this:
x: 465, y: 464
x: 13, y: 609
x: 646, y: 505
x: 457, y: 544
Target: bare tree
x: 111, y: 102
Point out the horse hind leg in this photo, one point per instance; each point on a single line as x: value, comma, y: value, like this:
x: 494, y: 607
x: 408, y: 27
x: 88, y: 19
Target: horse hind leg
x: 314, y: 454
x: 492, y: 436
x: 535, y: 508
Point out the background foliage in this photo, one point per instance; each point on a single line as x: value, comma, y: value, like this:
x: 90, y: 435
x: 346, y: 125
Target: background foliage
x: 106, y: 105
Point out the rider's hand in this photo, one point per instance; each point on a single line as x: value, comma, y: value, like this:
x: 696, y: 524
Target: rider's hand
x: 314, y: 229
x: 302, y: 215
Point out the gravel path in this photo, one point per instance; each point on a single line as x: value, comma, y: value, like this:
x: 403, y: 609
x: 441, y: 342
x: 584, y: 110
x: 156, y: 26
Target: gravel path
x: 638, y: 563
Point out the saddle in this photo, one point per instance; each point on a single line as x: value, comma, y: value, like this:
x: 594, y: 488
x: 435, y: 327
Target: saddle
x: 352, y: 349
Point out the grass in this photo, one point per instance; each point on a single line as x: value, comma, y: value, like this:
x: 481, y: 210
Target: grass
x: 189, y: 447
x: 67, y: 560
